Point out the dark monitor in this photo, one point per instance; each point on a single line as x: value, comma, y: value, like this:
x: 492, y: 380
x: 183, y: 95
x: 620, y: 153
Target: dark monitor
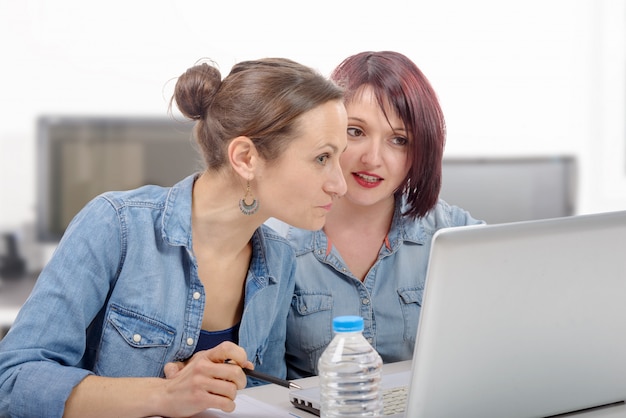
x: 499, y: 190
x: 80, y: 157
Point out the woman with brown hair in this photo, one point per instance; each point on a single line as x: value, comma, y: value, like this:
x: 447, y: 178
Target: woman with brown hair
x: 150, y: 278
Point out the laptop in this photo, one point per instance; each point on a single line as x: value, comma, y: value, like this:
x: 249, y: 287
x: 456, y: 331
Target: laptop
x: 519, y: 320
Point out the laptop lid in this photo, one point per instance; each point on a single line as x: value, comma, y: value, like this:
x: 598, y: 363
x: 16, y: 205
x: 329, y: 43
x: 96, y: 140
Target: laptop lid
x: 523, y: 319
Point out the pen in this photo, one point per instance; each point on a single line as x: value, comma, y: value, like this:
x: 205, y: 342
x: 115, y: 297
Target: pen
x: 271, y: 379
x: 268, y: 377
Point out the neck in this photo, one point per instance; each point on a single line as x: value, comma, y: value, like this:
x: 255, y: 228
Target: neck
x: 374, y: 218
x: 217, y: 221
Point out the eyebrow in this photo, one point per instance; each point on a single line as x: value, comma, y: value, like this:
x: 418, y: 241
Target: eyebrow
x: 356, y: 119
x: 334, y: 147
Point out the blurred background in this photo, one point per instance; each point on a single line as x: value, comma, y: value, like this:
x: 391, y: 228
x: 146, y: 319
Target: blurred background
x: 519, y: 82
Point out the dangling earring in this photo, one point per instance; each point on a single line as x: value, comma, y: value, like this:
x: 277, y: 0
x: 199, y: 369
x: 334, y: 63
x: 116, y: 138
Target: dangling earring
x: 248, y: 209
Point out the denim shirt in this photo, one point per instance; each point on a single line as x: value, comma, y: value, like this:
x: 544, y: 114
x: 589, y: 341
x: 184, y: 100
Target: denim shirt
x: 389, y: 298
x: 121, y: 297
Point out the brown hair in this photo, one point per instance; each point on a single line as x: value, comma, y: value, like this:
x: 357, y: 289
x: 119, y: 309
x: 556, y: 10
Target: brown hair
x: 260, y: 99
x: 396, y: 80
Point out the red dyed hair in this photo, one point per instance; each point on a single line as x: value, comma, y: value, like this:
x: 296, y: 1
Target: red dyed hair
x: 398, y: 82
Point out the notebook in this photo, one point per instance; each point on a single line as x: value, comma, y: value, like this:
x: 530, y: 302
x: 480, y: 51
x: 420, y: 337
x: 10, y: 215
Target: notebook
x: 524, y: 319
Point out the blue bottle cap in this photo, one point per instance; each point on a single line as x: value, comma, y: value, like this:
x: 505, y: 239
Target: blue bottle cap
x: 349, y: 323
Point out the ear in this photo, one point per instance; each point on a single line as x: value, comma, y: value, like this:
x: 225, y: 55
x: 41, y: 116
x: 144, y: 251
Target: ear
x: 243, y: 156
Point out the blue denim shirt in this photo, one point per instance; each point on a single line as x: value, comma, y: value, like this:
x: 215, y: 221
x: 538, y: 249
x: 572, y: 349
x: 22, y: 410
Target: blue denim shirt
x: 121, y: 297
x: 389, y: 298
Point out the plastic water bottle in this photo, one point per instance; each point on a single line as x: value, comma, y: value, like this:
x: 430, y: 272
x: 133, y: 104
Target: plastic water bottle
x: 350, y: 373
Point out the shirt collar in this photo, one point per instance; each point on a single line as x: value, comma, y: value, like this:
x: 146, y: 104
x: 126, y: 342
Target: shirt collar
x: 176, y: 222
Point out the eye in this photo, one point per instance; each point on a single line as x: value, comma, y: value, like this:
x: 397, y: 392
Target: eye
x: 400, y: 140
x: 322, y: 159
x: 352, y: 131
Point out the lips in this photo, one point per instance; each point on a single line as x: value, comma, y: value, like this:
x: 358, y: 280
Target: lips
x: 367, y: 180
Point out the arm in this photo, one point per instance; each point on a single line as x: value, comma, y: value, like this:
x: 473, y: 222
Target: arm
x: 46, y: 361
x: 48, y: 339
x: 205, y: 382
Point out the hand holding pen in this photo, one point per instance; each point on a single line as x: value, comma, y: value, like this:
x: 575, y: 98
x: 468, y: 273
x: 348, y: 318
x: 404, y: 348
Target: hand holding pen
x: 204, y: 381
x: 172, y: 369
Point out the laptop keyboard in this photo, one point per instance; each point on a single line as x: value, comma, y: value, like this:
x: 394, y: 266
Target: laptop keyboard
x: 394, y: 400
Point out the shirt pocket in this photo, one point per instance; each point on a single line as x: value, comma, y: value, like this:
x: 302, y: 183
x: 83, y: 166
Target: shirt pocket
x: 309, y: 324
x: 133, y: 344
x: 411, y: 305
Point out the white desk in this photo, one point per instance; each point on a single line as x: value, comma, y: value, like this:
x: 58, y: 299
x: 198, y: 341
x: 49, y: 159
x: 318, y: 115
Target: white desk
x: 279, y: 396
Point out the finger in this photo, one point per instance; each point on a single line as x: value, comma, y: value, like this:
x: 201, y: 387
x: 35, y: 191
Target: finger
x: 222, y: 387
x: 203, y: 364
x: 228, y: 351
x: 171, y: 369
x: 221, y: 402
x: 230, y: 372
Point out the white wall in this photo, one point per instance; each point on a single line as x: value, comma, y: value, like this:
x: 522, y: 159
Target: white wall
x: 526, y: 77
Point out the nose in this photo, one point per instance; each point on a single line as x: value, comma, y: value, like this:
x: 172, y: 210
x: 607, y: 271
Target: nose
x: 337, y: 183
x: 371, y: 153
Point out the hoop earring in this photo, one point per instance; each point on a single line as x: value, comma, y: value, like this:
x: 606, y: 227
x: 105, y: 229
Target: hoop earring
x: 245, y: 208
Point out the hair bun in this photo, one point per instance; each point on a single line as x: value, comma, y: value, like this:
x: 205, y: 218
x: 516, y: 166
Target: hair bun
x: 195, y: 90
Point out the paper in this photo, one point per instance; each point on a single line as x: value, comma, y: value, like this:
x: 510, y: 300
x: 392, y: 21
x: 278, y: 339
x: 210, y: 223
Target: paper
x: 248, y: 407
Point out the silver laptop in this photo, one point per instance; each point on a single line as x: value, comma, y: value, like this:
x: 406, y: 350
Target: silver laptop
x: 524, y: 319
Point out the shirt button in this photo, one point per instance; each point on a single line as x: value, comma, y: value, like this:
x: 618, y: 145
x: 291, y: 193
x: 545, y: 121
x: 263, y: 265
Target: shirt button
x: 189, y: 341
x: 196, y: 295
x: 136, y: 338
x: 365, y: 301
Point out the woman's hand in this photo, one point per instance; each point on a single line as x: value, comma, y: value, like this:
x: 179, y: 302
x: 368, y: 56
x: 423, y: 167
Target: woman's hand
x: 206, y: 380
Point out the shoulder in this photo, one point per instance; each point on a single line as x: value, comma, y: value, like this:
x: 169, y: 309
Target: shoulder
x: 147, y: 206
x: 444, y: 215
x: 148, y: 196
x: 108, y: 216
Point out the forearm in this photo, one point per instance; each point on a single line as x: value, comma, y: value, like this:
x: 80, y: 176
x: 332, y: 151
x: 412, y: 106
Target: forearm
x: 206, y: 381
x: 97, y: 396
